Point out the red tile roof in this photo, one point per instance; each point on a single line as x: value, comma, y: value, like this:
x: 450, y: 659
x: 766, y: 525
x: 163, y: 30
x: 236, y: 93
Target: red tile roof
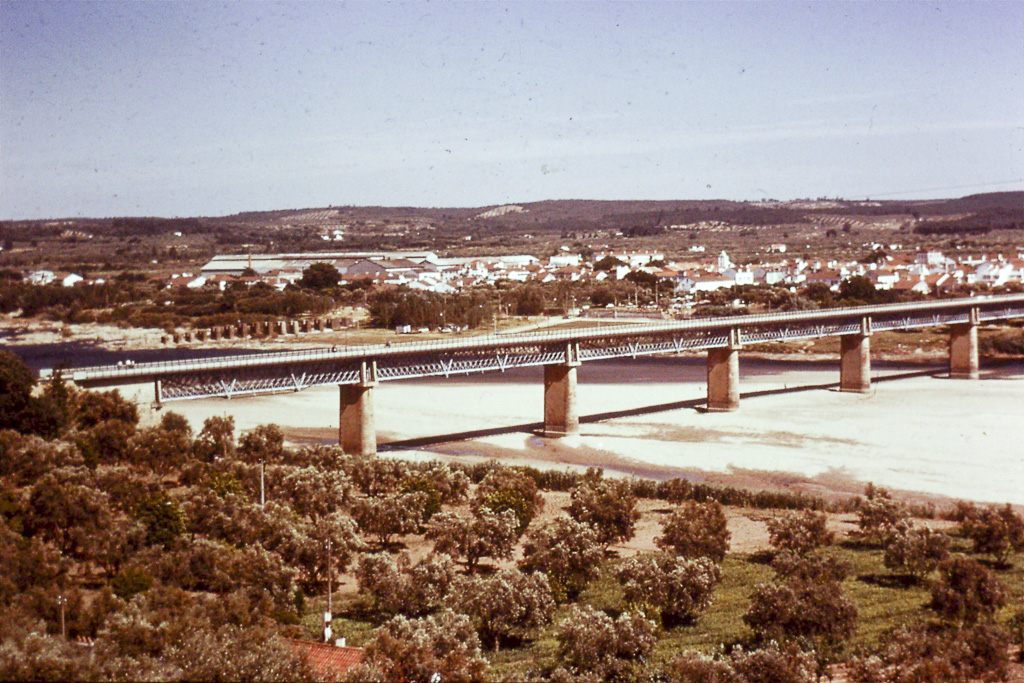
x: 327, y: 661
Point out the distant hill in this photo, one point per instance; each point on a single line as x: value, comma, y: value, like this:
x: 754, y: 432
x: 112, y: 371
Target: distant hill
x: 577, y: 213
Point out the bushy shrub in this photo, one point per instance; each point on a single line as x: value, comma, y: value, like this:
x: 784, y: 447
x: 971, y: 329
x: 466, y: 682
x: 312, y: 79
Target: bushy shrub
x: 591, y: 643
x: 474, y: 537
x: 507, y: 489
x: 696, y: 530
x: 800, y: 610
x: 608, y: 507
x: 812, y: 568
x: 506, y: 605
x: 966, y: 591
x: 916, y: 551
x: 878, y: 517
x: 927, y: 653
x: 996, y: 531
x: 444, y: 646
x: 769, y: 664
x: 799, y: 532
x: 676, y: 589
x: 403, y: 588
x: 567, y: 552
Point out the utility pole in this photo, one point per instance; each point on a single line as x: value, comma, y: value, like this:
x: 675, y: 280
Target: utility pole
x: 263, y: 498
x: 496, y: 310
x: 61, y: 600
x: 330, y: 603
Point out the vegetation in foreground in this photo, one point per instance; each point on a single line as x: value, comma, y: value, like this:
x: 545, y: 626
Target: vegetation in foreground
x: 152, y: 553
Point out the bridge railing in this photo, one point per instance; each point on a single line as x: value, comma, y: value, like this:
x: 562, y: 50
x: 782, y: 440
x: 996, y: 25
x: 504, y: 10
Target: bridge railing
x: 529, y: 338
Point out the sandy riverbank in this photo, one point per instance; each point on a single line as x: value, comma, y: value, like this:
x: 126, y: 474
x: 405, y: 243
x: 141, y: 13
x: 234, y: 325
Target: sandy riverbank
x: 919, y: 433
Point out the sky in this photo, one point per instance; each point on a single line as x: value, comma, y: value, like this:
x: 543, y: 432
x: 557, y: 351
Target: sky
x: 206, y: 109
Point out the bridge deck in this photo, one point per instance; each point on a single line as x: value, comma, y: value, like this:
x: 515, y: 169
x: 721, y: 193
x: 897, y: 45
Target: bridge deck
x: 294, y: 370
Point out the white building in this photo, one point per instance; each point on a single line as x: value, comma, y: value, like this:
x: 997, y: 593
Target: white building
x: 41, y: 277
x: 565, y: 260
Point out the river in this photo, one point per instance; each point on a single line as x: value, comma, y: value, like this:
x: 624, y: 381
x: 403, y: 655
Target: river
x: 915, y: 431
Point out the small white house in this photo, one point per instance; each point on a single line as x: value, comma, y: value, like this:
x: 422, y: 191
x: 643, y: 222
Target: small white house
x: 562, y: 260
x: 41, y: 277
x: 71, y: 280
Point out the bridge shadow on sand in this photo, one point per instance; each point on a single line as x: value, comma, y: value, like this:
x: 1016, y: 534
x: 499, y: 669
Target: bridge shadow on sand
x: 537, y: 428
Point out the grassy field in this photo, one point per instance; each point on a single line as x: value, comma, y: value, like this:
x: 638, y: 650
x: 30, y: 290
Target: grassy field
x: 881, y: 599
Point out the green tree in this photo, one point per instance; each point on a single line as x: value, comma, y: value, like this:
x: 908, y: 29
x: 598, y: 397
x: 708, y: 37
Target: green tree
x: 508, y: 605
x: 263, y: 444
x: 529, y: 301
x: 966, y: 591
x: 601, y: 297
x: 677, y: 590
x: 696, y: 530
x: 930, y: 653
x: 877, y: 517
x: 162, y: 518
x: 506, y: 489
x: 64, y: 508
x: 474, y: 537
x: 768, y: 664
x: 443, y: 646
x: 566, y: 551
x: 28, y: 563
x: 590, y: 643
x: 19, y: 410
x: 216, y: 439
x: 440, y: 484
x: 95, y: 407
x: 400, y: 587
x: 16, y: 384
x: 231, y: 653
x: 917, y: 551
x: 806, y: 604
x: 391, y: 515
x: 997, y: 531
x: 160, y: 449
x: 320, y: 275
x: 608, y: 507
x: 858, y: 288
x: 109, y: 442
x: 799, y: 532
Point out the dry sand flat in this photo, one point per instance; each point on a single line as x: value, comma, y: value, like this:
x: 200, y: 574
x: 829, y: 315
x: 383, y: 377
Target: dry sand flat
x: 919, y: 433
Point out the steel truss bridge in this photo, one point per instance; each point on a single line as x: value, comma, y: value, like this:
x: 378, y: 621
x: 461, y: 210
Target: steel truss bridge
x: 272, y: 372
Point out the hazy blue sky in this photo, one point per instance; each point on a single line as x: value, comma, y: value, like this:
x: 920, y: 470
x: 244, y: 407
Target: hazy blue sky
x: 202, y: 108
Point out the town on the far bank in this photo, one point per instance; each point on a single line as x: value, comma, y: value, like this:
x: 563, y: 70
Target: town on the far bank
x: 888, y: 268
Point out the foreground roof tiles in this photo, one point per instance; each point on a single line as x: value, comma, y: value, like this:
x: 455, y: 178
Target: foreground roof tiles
x: 327, y: 661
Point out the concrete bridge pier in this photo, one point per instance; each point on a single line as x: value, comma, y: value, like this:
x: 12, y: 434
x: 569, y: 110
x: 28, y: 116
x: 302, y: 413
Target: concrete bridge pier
x: 561, y: 414
x: 963, y: 348
x: 724, y: 375
x: 855, y: 360
x: 357, y: 433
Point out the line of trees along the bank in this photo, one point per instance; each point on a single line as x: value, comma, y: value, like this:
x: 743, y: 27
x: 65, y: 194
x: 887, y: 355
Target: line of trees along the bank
x: 156, y: 543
